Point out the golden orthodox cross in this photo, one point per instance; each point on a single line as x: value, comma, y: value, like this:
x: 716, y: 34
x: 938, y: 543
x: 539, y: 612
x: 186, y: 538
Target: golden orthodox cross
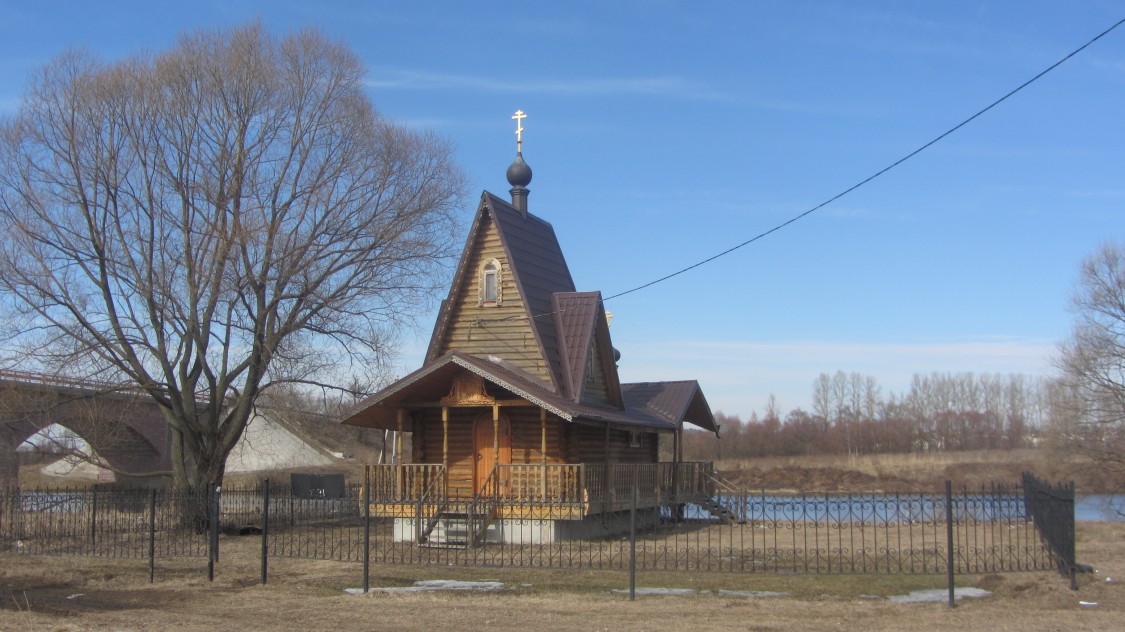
x: 519, y: 117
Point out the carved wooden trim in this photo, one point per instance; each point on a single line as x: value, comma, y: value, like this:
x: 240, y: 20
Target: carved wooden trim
x: 468, y: 388
x: 498, y: 268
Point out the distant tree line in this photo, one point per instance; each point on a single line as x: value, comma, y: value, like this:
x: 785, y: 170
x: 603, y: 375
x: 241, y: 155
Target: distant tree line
x: 850, y: 415
x: 1078, y: 414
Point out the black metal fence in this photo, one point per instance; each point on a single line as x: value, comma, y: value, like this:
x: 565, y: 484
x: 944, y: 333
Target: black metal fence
x: 998, y: 529
x: 1047, y: 506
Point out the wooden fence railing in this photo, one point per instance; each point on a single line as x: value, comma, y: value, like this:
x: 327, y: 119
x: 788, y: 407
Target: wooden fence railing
x: 596, y: 486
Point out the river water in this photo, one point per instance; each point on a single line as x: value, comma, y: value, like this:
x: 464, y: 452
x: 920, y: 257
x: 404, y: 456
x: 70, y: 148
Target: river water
x: 1100, y: 507
x: 898, y: 508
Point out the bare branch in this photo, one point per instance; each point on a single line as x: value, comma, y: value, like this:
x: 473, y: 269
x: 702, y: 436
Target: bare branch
x: 226, y: 215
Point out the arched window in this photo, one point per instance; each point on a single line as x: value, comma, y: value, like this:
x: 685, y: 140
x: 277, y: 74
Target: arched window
x: 491, y: 281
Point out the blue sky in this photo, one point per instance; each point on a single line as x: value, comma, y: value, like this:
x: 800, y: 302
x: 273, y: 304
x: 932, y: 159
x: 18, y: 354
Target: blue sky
x: 661, y: 133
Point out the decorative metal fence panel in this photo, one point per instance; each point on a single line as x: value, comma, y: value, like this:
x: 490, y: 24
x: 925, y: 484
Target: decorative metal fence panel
x: 994, y: 530
x: 107, y: 522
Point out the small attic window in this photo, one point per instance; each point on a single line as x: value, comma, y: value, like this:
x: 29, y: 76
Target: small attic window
x: 490, y: 283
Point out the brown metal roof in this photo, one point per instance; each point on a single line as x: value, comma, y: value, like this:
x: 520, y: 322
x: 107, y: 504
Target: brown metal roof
x: 538, y: 268
x: 431, y: 382
x: 575, y: 313
x: 565, y: 323
x: 675, y: 401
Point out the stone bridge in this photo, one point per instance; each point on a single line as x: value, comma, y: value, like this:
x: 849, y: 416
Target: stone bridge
x: 122, y: 425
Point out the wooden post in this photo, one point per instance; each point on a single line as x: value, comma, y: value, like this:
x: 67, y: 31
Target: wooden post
x: 676, y: 457
x: 495, y: 435
x: 445, y: 449
x: 401, y: 419
x: 611, y: 486
x: 543, y: 450
x: 676, y: 460
x: 607, y: 443
x: 400, y: 475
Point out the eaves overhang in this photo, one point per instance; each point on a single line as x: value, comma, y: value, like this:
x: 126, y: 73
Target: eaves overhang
x: 430, y: 383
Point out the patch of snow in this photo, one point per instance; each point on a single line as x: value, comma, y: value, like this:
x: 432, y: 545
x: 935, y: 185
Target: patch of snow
x: 660, y: 591
x: 679, y: 592
x: 752, y: 593
x: 430, y: 585
x: 939, y: 594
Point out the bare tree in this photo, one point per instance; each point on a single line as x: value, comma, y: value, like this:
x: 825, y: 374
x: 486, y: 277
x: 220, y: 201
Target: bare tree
x: 212, y: 221
x: 871, y: 397
x: 822, y: 396
x: 1089, y: 409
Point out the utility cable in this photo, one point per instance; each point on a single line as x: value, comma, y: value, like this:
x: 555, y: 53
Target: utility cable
x: 861, y: 183
x: 876, y: 174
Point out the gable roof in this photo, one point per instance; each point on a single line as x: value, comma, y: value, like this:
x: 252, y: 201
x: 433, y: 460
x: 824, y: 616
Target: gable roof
x: 675, y: 401
x: 580, y: 320
x: 432, y: 381
x: 537, y: 267
x: 567, y: 326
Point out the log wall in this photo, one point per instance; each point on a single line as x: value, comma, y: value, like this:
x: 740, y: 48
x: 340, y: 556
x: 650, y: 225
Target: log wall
x: 501, y: 329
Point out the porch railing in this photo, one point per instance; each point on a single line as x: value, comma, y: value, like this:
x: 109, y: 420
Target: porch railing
x: 590, y: 487
x: 541, y: 484
x: 406, y: 483
x: 609, y: 487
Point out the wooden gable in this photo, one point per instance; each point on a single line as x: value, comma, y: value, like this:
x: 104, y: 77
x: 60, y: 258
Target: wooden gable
x: 588, y: 362
x: 595, y: 388
x: 517, y: 326
x: 606, y: 383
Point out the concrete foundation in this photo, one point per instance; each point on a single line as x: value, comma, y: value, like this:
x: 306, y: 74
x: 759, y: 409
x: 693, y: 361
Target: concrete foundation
x: 515, y: 531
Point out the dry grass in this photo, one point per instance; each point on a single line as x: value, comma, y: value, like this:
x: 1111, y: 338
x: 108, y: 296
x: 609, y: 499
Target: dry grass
x: 897, y: 472
x: 78, y: 594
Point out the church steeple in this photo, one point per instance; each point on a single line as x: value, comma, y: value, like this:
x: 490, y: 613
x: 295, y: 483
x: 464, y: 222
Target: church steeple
x: 519, y: 173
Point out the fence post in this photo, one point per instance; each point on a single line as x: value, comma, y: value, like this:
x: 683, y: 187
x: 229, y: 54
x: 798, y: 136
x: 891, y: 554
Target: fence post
x: 366, y: 529
x: 213, y: 529
x: 152, y: 536
x: 949, y: 540
x: 210, y: 536
x: 633, y: 543
x: 1071, y: 553
x: 265, y: 528
x: 94, y: 519
x: 217, y: 511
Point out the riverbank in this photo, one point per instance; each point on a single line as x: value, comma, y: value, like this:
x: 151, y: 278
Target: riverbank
x: 911, y: 472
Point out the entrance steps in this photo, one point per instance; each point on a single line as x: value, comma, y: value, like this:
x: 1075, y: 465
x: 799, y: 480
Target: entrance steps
x: 456, y: 528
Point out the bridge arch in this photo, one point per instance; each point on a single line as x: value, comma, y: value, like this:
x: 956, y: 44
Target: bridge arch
x: 125, y: 428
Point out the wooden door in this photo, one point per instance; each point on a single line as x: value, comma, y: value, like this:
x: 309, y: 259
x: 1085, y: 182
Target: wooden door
x: 484, y: 448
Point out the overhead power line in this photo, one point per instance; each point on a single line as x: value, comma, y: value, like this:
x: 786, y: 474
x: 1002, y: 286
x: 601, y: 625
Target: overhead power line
x: 882, y: 171
x: 855, y: 186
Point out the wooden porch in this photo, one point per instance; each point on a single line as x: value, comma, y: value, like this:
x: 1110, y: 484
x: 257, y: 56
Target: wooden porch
x: 538, y: 491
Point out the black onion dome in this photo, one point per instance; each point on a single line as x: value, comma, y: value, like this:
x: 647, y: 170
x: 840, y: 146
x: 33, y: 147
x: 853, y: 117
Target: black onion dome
x: 519, y: 174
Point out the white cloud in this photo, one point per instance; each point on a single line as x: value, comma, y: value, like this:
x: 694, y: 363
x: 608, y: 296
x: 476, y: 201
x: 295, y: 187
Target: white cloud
x: 671, y: 86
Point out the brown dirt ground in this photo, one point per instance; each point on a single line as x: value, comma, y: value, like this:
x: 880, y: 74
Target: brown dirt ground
x: 75, y: 594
